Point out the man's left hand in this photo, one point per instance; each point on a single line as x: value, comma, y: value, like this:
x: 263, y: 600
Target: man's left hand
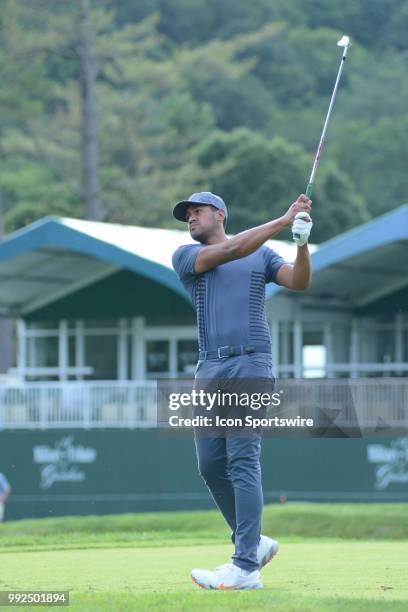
x: 301, y: 228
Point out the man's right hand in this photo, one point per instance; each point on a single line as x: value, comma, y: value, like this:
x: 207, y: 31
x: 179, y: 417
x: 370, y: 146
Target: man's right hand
x: 302, y: 204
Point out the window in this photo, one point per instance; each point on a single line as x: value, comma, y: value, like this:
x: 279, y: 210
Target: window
x: 101, y: 355
x: 42, y: 352
x: 187, y: 356
x: 314, y: 354
x: 314, y: 361
x: 157, y: 358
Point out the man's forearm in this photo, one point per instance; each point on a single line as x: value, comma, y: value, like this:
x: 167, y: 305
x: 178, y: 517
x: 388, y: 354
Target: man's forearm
x: 250, y: 240
x: 302, y: 269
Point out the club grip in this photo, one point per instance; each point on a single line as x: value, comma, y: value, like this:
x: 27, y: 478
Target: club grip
x: 308, y: 193
x: 309, y: 189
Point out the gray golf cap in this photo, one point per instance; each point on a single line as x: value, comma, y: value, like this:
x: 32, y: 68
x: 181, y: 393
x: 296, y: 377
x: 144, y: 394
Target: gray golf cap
x: 203, y: 197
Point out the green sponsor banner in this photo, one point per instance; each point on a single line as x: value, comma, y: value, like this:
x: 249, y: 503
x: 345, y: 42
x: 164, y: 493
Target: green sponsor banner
x: 100, y: 471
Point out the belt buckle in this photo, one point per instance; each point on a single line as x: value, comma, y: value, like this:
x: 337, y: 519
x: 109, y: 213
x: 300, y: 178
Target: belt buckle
x: 219, y: 349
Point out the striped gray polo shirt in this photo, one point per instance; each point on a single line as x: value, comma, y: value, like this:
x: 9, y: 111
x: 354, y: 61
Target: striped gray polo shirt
x: 229, y: 299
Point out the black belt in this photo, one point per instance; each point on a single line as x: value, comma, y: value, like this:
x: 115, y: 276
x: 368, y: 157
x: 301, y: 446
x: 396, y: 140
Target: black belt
x: 234, y: 351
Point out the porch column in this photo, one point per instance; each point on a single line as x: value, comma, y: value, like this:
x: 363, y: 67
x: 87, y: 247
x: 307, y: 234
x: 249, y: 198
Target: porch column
x: 354, y: 348
x: 285, y: 347
x: 297, y: 347
x: 122, y: 350
x: 399, y: 340
x: 138, y: 349
x: 173, y: 358
x: 328, y: 342
x: 21, y: 348
x: 79, y: 347
x: 63, y: 349
x: 275, y: 346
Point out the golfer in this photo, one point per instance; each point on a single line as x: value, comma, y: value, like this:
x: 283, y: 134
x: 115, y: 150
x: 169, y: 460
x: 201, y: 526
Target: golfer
x: 5, y: 491
x: 226, y: 279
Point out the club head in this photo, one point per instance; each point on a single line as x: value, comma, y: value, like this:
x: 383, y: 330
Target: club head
x: 344, y: 42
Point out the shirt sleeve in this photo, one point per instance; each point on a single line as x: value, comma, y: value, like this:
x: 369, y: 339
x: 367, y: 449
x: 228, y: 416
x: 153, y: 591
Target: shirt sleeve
x: 273, y: 262
x: 184, y: 259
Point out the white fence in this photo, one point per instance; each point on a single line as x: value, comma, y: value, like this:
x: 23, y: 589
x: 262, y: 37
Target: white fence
x: 369, y: 402
x: 78, y: 405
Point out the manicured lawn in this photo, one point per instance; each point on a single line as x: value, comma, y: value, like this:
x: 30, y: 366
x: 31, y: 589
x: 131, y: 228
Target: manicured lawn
x: 141, y: 562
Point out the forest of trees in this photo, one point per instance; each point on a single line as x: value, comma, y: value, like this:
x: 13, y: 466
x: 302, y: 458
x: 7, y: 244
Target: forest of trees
x: 114, y: 110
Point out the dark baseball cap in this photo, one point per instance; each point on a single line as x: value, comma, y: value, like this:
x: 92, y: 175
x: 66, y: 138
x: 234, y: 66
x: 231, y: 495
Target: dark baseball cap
x: 203, y: 197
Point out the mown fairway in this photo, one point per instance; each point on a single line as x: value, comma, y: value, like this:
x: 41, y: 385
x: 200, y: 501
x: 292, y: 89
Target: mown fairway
x: 141, y: 562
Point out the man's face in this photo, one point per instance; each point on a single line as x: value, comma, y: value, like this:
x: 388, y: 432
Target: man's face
x: 202, y: 221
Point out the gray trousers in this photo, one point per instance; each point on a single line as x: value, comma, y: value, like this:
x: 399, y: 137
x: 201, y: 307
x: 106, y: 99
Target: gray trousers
x: 230, y: 464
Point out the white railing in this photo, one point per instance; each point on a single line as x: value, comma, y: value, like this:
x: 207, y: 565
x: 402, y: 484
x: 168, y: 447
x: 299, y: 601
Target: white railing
x: 359, y: 369
x: 130, y: 404
x: 44, y: 405
x: 367, y: 403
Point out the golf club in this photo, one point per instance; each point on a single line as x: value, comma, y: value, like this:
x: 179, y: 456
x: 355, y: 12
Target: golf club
x: 345, y: 43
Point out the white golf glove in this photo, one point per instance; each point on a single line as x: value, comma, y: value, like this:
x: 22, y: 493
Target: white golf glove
x: 301, y: 228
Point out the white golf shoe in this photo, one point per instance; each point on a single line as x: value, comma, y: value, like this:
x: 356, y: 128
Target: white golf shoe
x: 227, y: 577
x: 267, y: 549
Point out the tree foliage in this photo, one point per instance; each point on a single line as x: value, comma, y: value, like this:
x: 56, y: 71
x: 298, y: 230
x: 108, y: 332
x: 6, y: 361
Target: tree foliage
x: 199, y: 94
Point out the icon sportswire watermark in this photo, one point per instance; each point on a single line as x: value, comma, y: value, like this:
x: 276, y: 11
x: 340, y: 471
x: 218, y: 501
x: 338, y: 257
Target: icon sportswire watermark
x: 334, y: 408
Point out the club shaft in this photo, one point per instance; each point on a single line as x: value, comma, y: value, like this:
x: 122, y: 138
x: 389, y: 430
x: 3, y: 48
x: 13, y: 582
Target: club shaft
x: 309, y: 188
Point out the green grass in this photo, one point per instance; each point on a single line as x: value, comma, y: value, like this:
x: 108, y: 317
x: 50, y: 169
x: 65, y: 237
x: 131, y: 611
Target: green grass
x: 291, y: 522
x: 333, y: 557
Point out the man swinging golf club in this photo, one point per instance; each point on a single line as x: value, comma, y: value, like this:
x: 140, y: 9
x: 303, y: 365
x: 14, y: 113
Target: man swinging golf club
x: 226, y: 281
